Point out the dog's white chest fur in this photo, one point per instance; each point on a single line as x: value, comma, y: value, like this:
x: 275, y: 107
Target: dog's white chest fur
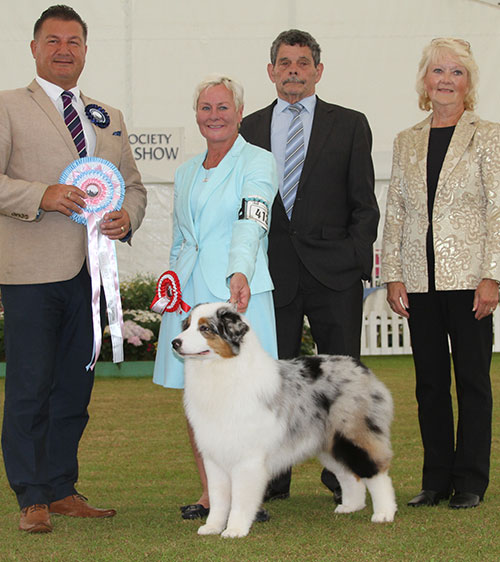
x: 225, y: 403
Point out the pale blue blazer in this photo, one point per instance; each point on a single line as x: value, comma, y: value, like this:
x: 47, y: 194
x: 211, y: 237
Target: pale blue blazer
x: 223, y: 244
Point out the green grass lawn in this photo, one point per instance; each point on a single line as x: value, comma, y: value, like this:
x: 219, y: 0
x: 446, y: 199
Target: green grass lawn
x: 135, y: 457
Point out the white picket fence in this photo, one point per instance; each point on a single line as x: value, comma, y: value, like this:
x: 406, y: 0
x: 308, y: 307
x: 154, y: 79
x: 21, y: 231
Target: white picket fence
x: 386, y: 333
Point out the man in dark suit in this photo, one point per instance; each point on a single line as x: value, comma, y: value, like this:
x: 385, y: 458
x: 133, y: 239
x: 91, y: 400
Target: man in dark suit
x: 45, y: 285
x: 323, y: 223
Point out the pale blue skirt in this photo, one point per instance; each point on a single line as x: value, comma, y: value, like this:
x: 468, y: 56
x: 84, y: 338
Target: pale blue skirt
x: 169, y: 367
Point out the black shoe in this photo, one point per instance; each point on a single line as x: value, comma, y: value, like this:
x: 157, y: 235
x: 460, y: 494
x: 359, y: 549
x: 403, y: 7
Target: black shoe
x: 197, y: 511
x: 194, y: 511
x: 428, y: 498
x: 188, y: 507
x: 330, y: 481
x: 262, y: 516
x: 464, y: 500
x: 272, y: 495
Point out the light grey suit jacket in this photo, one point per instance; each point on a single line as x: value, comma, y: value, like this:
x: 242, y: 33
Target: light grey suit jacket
x: 35, y: 147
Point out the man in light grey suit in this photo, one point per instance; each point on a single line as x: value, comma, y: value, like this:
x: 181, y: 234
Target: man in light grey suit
x: 44, y: 280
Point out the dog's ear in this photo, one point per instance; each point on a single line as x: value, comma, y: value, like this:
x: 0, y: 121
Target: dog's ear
x: 231, y: 326
x: 186, y: 323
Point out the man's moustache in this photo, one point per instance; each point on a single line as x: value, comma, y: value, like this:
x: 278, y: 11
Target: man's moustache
x: 293, y: 80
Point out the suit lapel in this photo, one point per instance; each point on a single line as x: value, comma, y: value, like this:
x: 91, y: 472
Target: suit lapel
x: 218, y: 175
x: 421, y: 145
x: 464, y: 131
x: 323, y: 122
x: 45, y: 103
x: 99, y: 133
x: 184, y: 202
x: 263, y: 127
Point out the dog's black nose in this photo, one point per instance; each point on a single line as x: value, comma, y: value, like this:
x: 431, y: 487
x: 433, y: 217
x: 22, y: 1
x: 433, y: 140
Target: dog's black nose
x: 176, y: 343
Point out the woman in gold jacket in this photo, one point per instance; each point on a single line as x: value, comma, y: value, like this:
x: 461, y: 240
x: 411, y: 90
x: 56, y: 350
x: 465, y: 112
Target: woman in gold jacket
x: 441, y: 263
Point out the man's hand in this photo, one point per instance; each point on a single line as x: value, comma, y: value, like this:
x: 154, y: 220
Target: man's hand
x: 64, y: 199
x: 116, y: 225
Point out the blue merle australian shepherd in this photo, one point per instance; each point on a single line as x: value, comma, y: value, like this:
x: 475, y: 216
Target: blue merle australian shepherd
x: 254, y: 417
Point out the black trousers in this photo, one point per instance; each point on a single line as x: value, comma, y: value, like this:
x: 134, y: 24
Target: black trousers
x: 335, y: 318
x: 48, y: 343
x: 449, y: 464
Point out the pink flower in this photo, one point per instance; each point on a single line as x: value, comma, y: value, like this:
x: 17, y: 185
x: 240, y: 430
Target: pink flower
x: 136, y: 334
x: 134, y: 340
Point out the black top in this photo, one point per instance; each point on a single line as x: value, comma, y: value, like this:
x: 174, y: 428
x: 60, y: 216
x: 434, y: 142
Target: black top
x: 439, y: 141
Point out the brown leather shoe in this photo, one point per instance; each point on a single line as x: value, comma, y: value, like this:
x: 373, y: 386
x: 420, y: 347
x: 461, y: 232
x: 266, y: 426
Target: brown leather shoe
x: 35, y: 519
x: 77, y: 506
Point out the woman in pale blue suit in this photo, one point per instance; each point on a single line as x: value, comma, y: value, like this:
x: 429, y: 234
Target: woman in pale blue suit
x: 222, y: 208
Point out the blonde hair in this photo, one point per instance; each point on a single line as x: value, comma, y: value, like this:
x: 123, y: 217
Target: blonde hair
x: 216, y: 80
x: 432, y: 53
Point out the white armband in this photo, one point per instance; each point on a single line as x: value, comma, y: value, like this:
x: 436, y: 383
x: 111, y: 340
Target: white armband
x: 257, y: 209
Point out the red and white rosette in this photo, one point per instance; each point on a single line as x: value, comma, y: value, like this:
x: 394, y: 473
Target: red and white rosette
x: 105, y: 188
x: 168, y: 297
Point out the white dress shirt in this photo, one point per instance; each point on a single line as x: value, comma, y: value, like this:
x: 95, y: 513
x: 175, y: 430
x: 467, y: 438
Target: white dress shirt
x: 280, y: 124
x: 54, y: 92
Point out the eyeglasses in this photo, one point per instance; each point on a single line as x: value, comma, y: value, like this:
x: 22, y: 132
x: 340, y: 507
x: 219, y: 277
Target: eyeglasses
x: 462, y: 42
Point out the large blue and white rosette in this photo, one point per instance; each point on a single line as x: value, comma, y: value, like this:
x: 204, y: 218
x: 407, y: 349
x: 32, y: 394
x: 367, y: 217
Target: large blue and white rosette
x: 102, y: 182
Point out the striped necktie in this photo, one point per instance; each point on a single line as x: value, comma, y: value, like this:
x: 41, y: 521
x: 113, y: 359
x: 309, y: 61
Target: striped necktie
x: 294, y: 158
x: 73, y: 123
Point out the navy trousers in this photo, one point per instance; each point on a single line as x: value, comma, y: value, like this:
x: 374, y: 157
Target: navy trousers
x: 48, y: 343
x: 450, y: 463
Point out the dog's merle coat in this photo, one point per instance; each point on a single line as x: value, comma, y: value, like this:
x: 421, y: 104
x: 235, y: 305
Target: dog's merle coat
x: 322, y: 381
x: 254, y: 417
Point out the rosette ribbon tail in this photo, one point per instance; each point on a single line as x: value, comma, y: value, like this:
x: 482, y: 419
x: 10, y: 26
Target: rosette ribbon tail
x: 108, y: 266
x: 95, y: 280
x: 103, y: 266
x: 160, y: 304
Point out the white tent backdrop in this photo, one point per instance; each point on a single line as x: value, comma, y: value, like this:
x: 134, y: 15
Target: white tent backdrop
x: 146, y: 56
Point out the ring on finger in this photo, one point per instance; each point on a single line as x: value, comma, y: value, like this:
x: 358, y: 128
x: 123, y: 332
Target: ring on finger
x: 68, y: 195
x: 122, y: 228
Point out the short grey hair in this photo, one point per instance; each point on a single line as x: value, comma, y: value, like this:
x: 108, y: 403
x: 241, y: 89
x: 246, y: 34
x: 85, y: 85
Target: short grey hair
x: 296, y: 37
x: 216, y: 80
x: 460, y: 49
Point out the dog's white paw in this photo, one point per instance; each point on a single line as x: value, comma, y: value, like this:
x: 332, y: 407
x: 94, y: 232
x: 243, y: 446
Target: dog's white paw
x: 209, y: 530
x: 235, y: 533
x: 349, y: 508
x: 382, y: 517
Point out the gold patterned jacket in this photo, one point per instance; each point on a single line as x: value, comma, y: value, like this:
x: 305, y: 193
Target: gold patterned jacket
x: 466, y: 213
